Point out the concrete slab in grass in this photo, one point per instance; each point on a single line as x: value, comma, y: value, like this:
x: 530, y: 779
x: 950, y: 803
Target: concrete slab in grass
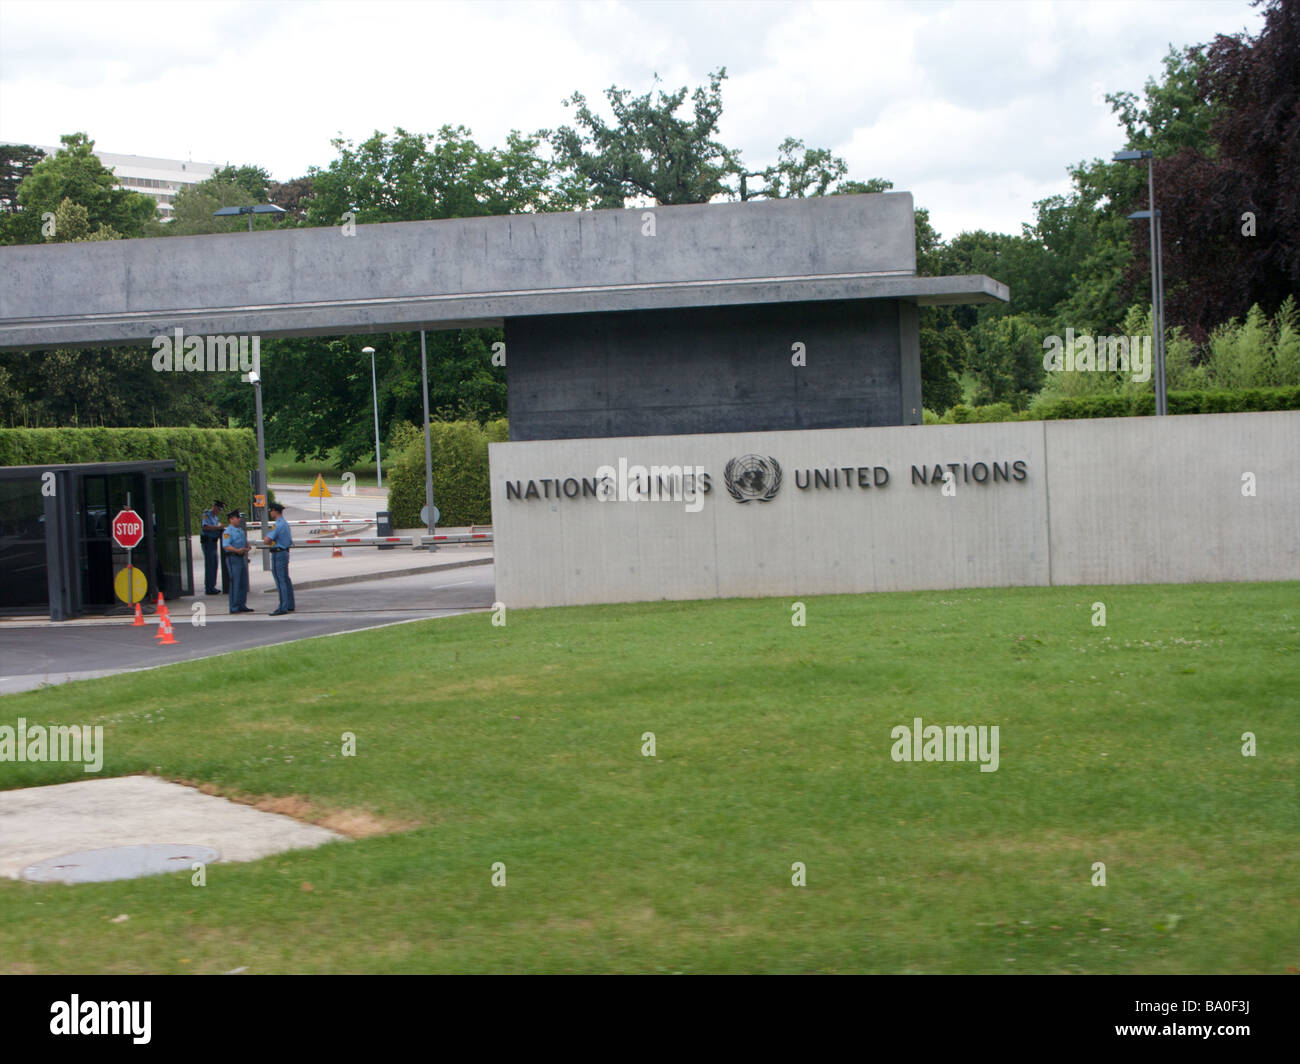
x: 39, y: 823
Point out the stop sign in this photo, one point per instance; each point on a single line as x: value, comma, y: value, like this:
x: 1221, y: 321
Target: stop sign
x: 128, y: 529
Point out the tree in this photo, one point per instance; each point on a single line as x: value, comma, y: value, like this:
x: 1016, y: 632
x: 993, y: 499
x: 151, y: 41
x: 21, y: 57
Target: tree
x: 293, y: 196
x: 1007, y: 361
x: 1231, y: 212
x: 317, y: 391
x: 649, y: 151
x: 72, y: 226
x: 253, y: 180
x: 194, y: 207
x: 415, y: 177
x: 16, y: 162
x: 114, y: 387
x: 75, y: 173
x: 1177, y: 113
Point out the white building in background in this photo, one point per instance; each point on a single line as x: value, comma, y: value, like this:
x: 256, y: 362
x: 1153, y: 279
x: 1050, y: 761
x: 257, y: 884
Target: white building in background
x: 159, y: 178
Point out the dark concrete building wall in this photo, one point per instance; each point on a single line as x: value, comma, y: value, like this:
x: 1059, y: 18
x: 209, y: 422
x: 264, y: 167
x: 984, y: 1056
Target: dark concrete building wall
x: 713, y: 369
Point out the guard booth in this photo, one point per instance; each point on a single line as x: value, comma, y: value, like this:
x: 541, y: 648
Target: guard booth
x: 56, y: 543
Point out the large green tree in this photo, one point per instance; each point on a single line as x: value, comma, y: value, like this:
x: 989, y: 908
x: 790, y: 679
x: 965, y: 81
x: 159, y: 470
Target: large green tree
x: 75, y: 173
x: 416, y: 177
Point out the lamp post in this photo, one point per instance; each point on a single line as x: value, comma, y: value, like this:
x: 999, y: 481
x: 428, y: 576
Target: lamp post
x: 255, y: 379
x: 374, y: 392
x: 1152, y: 217
x: 428, y: 442
x: 257, y: 208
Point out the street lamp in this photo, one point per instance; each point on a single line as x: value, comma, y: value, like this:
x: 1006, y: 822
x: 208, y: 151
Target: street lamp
x: 255, y: 379
x: 374, y: 392
x: 428, y: 444
x: 1152, y: 217
x: 257, y: 208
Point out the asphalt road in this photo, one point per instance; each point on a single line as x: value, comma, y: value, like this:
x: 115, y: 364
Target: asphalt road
x: 45, y: 653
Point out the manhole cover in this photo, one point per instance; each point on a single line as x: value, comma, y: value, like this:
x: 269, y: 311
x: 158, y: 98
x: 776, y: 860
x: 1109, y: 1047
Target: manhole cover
x: 118, y: 862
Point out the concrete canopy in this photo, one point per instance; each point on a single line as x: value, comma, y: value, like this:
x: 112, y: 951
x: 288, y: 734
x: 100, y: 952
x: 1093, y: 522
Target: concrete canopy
x: 470, y: 272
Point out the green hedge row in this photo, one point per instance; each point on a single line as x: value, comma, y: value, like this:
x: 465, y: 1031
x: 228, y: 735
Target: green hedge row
x: 460, y: 472
x: 1221, y: 401
x: 217, y: 460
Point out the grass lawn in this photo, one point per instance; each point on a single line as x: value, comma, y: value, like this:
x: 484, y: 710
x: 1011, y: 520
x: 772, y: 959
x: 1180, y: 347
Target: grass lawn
x: 523, y: 745
x: 283, y: 468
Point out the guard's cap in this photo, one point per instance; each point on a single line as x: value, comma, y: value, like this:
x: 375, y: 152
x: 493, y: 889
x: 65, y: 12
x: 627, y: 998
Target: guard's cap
x: 233, y: 513
x: 276, y: 507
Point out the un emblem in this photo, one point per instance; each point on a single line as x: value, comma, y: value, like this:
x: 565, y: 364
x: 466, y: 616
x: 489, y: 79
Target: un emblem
x: 752, y: 477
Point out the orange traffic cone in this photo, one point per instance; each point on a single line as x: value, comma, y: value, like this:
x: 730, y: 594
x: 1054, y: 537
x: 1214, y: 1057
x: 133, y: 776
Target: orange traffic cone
x: 338, y: 550
x: 139, y: 617
x: 160, y: 606
x: 165, y: 629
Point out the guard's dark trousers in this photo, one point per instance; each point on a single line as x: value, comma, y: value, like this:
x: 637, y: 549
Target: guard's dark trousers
x: 211, y: 559
x: 238, y: 582
x: 280, y: 570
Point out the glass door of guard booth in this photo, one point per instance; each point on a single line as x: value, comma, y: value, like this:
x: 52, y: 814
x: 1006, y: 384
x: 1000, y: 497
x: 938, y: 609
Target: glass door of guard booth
x: 100, y: 497
x: 171, y: 559
x: 164, y: 556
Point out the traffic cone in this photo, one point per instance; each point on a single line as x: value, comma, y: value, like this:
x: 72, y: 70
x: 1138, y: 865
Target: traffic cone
x: 337, y: 552
x: 160, y: 606
x: 166, y: 629
x: 139, y: 617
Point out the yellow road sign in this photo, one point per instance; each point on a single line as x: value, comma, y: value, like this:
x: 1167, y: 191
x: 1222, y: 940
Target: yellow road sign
x: 319, y: 490
x: 130, y: 585
x: 259, y: 501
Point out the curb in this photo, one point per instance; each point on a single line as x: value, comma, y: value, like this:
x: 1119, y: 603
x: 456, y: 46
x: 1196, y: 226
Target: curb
x: 361, y: 578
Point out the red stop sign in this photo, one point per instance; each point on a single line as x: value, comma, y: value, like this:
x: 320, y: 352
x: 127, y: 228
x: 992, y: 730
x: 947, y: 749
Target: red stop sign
x: 128, y: 529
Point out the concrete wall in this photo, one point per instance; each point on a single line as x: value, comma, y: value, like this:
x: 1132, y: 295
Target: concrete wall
x: 1128, y: 500
x: 726, y: 369
x: 445, y: 274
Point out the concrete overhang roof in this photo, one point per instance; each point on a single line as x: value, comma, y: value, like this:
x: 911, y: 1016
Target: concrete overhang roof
x: 485, y: 309
x: 460, y: 272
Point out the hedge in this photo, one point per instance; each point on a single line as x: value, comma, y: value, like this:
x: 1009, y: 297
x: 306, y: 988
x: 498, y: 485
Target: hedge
x: 217, y: 460
x: 460, y: 472
x: 1214, y: 401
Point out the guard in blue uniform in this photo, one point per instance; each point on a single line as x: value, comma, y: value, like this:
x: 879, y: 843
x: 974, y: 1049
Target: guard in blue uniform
x: 281, y: 540
x: 210, y: 540
x: 234, y: 544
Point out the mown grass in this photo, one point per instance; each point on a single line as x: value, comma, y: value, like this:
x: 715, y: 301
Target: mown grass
x: 282, y: 467
x: 523, y: 745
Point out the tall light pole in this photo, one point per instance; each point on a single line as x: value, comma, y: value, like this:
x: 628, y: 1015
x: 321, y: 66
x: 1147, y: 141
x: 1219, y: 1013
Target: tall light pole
x: 428, y: 442
x: 1152, y: 217
x: 374, y: 391
x: 255, y: 379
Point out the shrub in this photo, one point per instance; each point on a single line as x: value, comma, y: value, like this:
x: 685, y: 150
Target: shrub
x: 217, y: 460
x: 460, y: 473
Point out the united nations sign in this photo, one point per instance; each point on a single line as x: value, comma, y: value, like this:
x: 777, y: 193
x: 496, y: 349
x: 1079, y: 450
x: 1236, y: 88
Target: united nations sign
x: 890, y: 509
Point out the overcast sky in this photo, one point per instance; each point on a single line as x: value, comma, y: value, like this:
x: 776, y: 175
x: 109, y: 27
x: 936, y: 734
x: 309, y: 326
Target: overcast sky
x: 976, y: 108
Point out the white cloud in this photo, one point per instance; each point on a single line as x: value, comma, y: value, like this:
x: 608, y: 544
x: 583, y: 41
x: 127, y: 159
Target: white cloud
x: 976, y: 107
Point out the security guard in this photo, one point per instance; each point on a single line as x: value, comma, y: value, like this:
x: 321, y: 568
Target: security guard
x: 281, y: 541
x: 210, y: 540
x: 234, y: 544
